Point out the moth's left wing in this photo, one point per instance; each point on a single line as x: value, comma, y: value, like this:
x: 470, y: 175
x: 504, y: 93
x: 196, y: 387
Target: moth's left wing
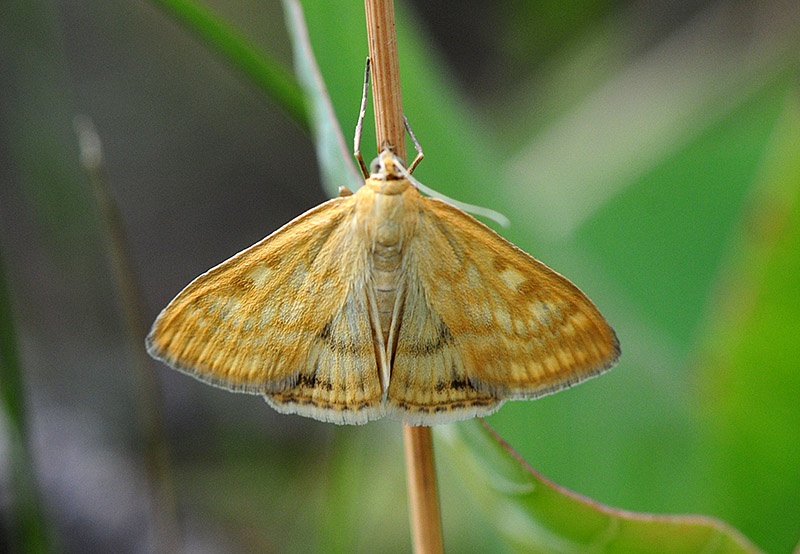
x: 286, y: 318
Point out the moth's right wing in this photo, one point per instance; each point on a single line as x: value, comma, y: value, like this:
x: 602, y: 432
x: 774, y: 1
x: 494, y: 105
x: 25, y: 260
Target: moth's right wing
x: 286, y: 318
x: 483, y: 322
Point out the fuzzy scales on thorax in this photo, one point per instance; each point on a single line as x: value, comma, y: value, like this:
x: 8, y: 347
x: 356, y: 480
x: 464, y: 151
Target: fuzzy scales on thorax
x: 387, y: 210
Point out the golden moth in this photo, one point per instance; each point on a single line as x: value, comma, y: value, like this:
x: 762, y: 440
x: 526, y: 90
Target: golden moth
x: 385, y: 303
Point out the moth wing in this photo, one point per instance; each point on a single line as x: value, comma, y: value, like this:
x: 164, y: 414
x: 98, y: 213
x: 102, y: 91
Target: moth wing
x: 285, y: 318
x: 430, y: 381
x: 484, y: 322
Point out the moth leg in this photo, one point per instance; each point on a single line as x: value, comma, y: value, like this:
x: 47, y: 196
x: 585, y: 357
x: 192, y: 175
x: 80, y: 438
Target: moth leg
x: 359, y: 125
x: 417, y: 147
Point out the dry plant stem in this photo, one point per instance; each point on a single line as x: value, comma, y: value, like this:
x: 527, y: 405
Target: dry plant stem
x: 387, y: 99
x: 149, y: 409
x: 426, y: 525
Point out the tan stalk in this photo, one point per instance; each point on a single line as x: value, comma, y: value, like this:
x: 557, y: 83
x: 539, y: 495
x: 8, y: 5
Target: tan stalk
x: 426, y: 525
x: 386, y: 96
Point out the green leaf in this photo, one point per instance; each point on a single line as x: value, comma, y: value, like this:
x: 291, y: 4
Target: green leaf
x: 748, y: 359
x: 536, y: 515
x: 334, y: 158
x: 656, y: 196
x: 266, y: 73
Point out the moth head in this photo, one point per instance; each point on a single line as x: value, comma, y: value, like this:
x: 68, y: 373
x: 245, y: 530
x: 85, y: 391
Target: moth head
x: 387, y: 166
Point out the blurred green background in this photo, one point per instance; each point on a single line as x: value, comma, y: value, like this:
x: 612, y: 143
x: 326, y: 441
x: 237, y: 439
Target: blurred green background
x: 649, y: 150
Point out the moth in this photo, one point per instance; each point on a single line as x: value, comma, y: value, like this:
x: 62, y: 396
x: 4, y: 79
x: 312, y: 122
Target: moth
x: 385, y: 303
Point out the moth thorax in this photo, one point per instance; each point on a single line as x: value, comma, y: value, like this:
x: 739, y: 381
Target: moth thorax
x: 388, y: 233
x: 387, y: 185
x: 387, y: 246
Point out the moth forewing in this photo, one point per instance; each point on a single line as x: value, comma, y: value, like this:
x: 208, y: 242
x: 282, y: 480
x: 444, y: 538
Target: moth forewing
x: 281, y: 319
x: 524, y: 330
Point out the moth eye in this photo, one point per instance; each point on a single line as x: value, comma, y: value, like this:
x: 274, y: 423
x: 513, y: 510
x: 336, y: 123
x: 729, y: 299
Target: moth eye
x: 375, y: 165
